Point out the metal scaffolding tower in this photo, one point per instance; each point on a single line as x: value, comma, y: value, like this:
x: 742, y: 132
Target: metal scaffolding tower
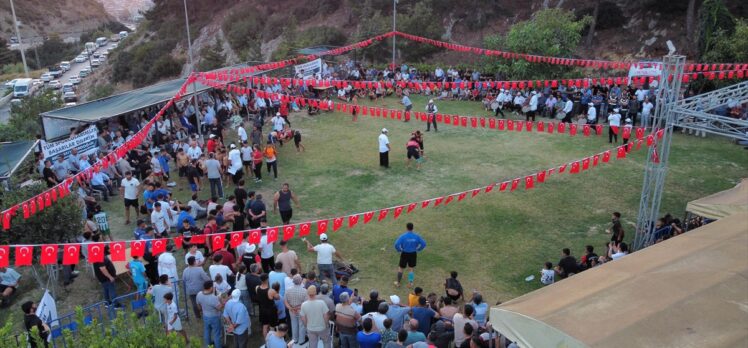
x: 655, y: 170
x: 692, y: 113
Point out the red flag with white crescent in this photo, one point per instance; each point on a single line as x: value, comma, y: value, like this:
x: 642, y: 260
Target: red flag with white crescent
x: 49, y: 254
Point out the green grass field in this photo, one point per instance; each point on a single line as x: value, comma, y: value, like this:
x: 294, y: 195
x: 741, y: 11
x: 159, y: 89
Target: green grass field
x: 493, y: 240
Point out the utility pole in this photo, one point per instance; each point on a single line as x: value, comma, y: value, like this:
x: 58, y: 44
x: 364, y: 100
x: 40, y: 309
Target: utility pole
x: 36, y: 53
x: 192, y: 68
x: 394, y: 28
x: 18, y: 35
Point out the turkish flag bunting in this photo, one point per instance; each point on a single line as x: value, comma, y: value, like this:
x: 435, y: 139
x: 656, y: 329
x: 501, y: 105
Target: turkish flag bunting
x: 158, y: 246
x: 178, y: 242
x: 660, y: 133
x: 573, y: 129
x: 425, y: 203
x: 117, y: 250
x: 49, y: 254
x: 398, y: 210
x: 541, y: 176
x: 622, y: 152
x: 599, y: 129
x: 254, y: 237
x: 510, y: 125
x: 639, y: 133
x: 561, y: 127
x: 337, y: 223
x: 24, y: 255
x: 541, y: 126
x: 95, y: 252
x: 383, y: 214
x: 626, y: 132
x: 137, y: 248
x: 236, y: 239
x: 304, y: 229
x: 655, y: 156
x: 438, y: 201
x: 461, y: 196
x: 272, y: 235
x: 4, y: 255
x: 71, y: 254
x: 515, y: 184
x: 448, y: 199
x: 550, y: 127
x: 411, y: 206
x: 367, y: 216
x: 7, y: 216
x: 289, y: 231
x: 198, y: 239
x: 503, y: 185
x: 529, y: 182
x: 650, y: 140
x: 586, y: 163
x: 501, y: 124
x: 585, y: 130
x: 475, y: 192
x: 322, y: 226
x: 606, y: 156
x: 528, y: 126
x: 489, y: 188
x: 595, y: 160
x: 352, y: 220
x: 574, y: 168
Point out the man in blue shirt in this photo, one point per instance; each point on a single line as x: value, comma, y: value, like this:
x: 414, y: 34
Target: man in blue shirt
x: 340, y: 288
x: 236, y: 314
x: 408, y: 245
x: 184, y: 215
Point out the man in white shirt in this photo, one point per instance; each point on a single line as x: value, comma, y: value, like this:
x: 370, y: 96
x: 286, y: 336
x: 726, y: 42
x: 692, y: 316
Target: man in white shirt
x: 218, y: 268
x: 194, y: 152
x: 431, y: 110
x: 159, y: 220
x: 591, y: 114
x: 646, y: 108
x: 384, y: 149
x: 325, y: 252
x: 130, y: 188
x: 267, y: 254
x: 621, y: 250
x: 614, y: 123
x: 533, y: 107
x: 278, y: 122
x: 235, y: 167
x: 167, y: 264
x: 568, y: 108
x: 439, y: 74
x: 196, y: 210
x: 242, y: 133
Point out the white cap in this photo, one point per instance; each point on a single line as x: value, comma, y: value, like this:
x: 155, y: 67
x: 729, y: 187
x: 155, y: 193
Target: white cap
x: 277, y: 114
x: 534, y: 92
x: 323, y: 236
x: 212, y: 136
x: 616, y: 110
x: 395, y: 299
x: 501, y: 90
x: 236, y: 294
x: 590, y: 104
x: 384, y: 130
x: 431, y: 100
x: 628, y: 120
x: 232, y: 146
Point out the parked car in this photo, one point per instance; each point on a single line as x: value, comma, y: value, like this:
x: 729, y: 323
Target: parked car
x: 11, y: 83
x: 65, y: 65
x: 56, y: 71
x: 68, y: 87
x: 37, y: 82
x: 84, y: 72
x: 74, y: 80
x: 95, y: 63
x: 46, y: 77
x: 96, y: 55
x: 80, y: 59
x: 55, y: 84
x: 70, y: 97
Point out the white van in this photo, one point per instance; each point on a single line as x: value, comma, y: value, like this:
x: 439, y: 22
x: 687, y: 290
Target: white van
x: 65, y: 65
x: 22, y: 88
x: 90, y: 46
x: 122, y: 35
x: 101, y: 41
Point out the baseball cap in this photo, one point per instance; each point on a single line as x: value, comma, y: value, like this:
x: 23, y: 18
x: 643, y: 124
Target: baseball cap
x: 212, y: 136
x: 395, y: 299
x: 628, y: 120
x: 277, y: 114
x: 323, y: 236
x: 616, y: 110
x: 384, y: 130
x: 590, y: 104
x: 233, y: 146
x: 431, y: 100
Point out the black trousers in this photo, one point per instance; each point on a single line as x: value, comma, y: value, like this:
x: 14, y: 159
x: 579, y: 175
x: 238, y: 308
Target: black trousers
x: 530, y: 115
x: 431, y: 120
x: 498, y: 111
x: 384, y: 159
x: 611, y: 135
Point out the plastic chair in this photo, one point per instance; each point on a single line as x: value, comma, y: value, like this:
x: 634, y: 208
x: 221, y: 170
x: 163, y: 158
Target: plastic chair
x: 226, y: 333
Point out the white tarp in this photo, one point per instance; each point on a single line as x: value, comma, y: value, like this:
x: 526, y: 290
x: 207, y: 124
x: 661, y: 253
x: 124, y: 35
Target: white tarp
x: 86, y: 142
x: 310, y: 69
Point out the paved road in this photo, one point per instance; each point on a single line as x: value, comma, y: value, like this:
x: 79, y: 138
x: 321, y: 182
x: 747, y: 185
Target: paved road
x: 75, y: 69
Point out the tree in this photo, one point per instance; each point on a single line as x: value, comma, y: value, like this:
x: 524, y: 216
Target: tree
x: 551, y: 32
x: 24, y: 117
x: 212, y: 57
x: 57, y: 223
x: 715, y: 23
x: 421, y: 20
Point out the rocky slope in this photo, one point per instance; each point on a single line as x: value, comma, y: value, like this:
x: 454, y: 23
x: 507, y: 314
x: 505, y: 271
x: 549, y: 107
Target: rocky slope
x: 41, y: 18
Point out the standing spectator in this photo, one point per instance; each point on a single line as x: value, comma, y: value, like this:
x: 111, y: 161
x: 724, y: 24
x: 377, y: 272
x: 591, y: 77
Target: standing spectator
x: 282, y: 203
x: 408, y: 106
x: 173, y: 322
x: 614, y: 124
x: 194, y: 277
x: 218, y: 267
x: 129, y: 188
x: 346, y: 321
x: 379, y: 316
x: 275, y: 339
x: 159, y: 220
x: 158, y: 291
x: 384, y: 149
x: 237, y: 317
x: 197, y: 254
x: 267, y: 255
x: 289, y: 259
x: 210, y: 306
x: 213, y: 171
x: 315, y: 314
x: 425, y: 315
x: 277, y: 276
x: 325, y: 252
x: 481, y: 309
x: 271, y: 159
x: 646, y: 108
x: 296, y: 295
x: 138, y: 275
x: 460, y: 321
x: 340, y: 288
x: 31, y: 320
x: 372, y: 304
x: 9, y: 280
x: 402, y: 336
x: 167, y: 264
x: 397, y: 312
x: 257, y: 163
x: 368, y: 338
x: 408, y: 245
x: 193, y: 177
x: 431, y: 110
x: 533, y: 106
x: 235, y: 164
x: 257, y: 214
x: 414, y: 335
x: 105, y: 273
x: 266, y: 297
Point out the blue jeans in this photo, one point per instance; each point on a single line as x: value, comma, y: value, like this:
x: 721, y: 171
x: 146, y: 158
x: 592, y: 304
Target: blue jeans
x: 216, y: 185
x: 110, y: 292
x: 348, y: 341
x: 298, y: 329
x: 212, y: 330
x: 326, y: 271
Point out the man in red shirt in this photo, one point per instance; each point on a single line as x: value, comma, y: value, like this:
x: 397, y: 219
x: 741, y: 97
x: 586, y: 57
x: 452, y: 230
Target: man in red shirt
x: 211, y: 144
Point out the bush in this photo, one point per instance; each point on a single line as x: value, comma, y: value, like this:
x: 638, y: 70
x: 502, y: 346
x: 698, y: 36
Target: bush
x: 101, y: 91
x: 24, y: 117
x: 51, y: 52
x: 212, y: 57
x: 421, y: 20
x: 322, y: 35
